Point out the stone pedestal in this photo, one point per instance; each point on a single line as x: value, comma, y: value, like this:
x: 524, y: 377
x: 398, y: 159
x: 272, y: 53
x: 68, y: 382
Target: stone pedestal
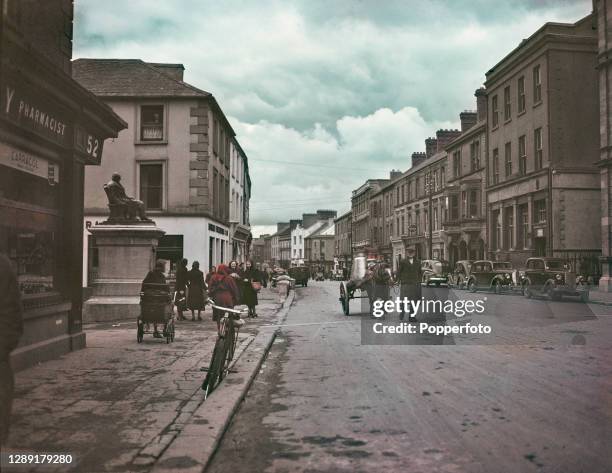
x: 126, y: 253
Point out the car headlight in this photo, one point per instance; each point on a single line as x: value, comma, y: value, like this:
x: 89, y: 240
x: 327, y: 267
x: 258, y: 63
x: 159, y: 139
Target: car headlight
x: 507, y: 276
x: 559, y: 277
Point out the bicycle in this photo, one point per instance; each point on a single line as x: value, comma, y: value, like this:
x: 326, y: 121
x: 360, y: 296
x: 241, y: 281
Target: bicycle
x: 225, y: 346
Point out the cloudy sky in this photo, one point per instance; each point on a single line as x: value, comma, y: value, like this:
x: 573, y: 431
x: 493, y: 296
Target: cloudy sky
x: 322, y: 94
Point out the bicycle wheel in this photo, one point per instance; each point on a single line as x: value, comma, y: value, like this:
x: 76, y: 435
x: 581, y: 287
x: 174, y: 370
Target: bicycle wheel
x: 231, y: 337
x: 214, y: 375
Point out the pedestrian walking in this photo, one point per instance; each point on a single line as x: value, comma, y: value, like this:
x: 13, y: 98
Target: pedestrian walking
x: 251, y: 279
x: 223, y: 290
x: 409, y: 275
x: 11, y: 320
x: 180, y: 288
x: 195, y: 292
x: 155, y: 276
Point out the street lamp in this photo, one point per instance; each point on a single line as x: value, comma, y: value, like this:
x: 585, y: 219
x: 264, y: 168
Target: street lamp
x: 429, y: 190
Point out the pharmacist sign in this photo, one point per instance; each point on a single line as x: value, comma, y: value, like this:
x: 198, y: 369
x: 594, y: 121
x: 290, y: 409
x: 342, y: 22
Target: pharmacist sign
x: 30, y: 163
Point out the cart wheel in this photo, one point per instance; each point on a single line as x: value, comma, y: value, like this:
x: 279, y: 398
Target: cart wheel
x: 139, y: 331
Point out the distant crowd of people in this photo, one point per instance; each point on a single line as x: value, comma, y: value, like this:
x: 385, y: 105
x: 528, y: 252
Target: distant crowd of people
x: 227, y: 285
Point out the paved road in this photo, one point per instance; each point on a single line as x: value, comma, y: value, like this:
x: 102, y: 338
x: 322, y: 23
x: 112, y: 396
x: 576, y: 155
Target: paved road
x: 535, y: 396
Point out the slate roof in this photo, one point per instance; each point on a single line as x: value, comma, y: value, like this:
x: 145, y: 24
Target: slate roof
x: 131, y: 78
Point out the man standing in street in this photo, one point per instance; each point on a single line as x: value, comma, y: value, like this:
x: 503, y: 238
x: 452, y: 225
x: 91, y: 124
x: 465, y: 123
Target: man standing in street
x: 11, y: 321
x: 409, y: 275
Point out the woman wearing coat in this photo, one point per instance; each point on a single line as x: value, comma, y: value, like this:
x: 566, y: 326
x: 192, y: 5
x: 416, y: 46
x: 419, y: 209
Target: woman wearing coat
x: 249, y: 295
x: 223, y: 290
x: 195, y: 294
x: 234, y: 271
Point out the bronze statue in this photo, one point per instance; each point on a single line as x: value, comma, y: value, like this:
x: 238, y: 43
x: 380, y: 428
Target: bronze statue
x: 122, y: 207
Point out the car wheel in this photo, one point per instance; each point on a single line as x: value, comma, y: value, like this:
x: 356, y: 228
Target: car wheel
x: 584, y: 297
x: 527, y: 292
x: 472, y: 285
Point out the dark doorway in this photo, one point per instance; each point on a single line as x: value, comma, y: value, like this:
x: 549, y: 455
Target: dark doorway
x: 540, y: 246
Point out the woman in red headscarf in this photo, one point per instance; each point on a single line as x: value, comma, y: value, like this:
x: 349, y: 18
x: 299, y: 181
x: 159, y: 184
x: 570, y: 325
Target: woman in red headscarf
x: 223, y: 290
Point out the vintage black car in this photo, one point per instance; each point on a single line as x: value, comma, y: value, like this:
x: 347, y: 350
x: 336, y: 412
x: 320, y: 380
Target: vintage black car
x: 485, y: 275
x: 554, y: 278
x: 301, y: 274
x: 433, y: 271
x: 460, y: 274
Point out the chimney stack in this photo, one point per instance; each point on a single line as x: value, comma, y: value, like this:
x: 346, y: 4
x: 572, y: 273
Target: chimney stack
x: 481, y: 103
x: 444, y: 137
x: 394, y: 174
x: 468, y: 120
x: 418, y: 158
x: 431, y: 146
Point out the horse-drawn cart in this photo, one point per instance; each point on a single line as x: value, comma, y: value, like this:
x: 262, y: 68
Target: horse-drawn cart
x: 358, y: 285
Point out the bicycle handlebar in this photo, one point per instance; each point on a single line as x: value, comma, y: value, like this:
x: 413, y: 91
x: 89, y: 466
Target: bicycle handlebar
x: 225, y: 309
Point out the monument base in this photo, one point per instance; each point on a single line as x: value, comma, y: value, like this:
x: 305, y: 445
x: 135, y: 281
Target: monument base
x: 126, y: 253
x: 110, y: 309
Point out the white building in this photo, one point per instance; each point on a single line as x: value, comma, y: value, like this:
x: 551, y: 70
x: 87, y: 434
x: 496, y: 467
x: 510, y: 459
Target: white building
x: 240, y: 194
x: 175, y: 156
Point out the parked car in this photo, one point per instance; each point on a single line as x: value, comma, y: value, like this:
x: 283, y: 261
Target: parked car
x: 460, y: 274
x: 489, y: 275
x: 554, y: 278
x: 301, y: 274
x: 433, y: 272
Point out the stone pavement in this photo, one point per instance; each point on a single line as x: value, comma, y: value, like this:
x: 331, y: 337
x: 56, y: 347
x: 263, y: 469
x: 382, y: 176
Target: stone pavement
x: 116, y: 405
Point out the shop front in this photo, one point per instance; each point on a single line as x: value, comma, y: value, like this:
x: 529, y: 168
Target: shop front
x: 50, y: 128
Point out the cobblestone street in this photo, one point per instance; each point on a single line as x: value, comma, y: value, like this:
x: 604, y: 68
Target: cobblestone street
x: 117, y: 404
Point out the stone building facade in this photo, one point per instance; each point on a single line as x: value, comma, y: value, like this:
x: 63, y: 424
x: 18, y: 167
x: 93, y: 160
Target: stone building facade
x: 343, y: 249
x: 542, y: 123
x: 603, y: 12
x: 464, y: 194
x: 174, y: 156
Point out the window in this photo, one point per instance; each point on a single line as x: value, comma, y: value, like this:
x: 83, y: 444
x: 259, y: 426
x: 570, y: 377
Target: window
x: 507, y: 104
x: 403, y: 225
x: 496, y: 236
x: 435, y: 218
x: 522, y: 155
x: 464, y: 204
x: 442, y: 177
x: 475, y: 155
x: 508, y: 159
x: 454, y: 207
x: 151, y: 123
x: 473, y: 211
x: 521, y: 94
x: 152, y: 185
x: 495, y: 166
x: 457, y: 163
x: 417, y: 191
x: 494, y: 111
x: 294, y: 240
x: 509, y: 215
x: 537, y: 85
x: 539, y: 211
x: 537, y: 140
x: 523, y: 230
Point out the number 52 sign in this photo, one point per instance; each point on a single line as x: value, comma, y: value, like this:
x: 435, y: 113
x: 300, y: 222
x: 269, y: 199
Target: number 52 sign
x: 88, y: 144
